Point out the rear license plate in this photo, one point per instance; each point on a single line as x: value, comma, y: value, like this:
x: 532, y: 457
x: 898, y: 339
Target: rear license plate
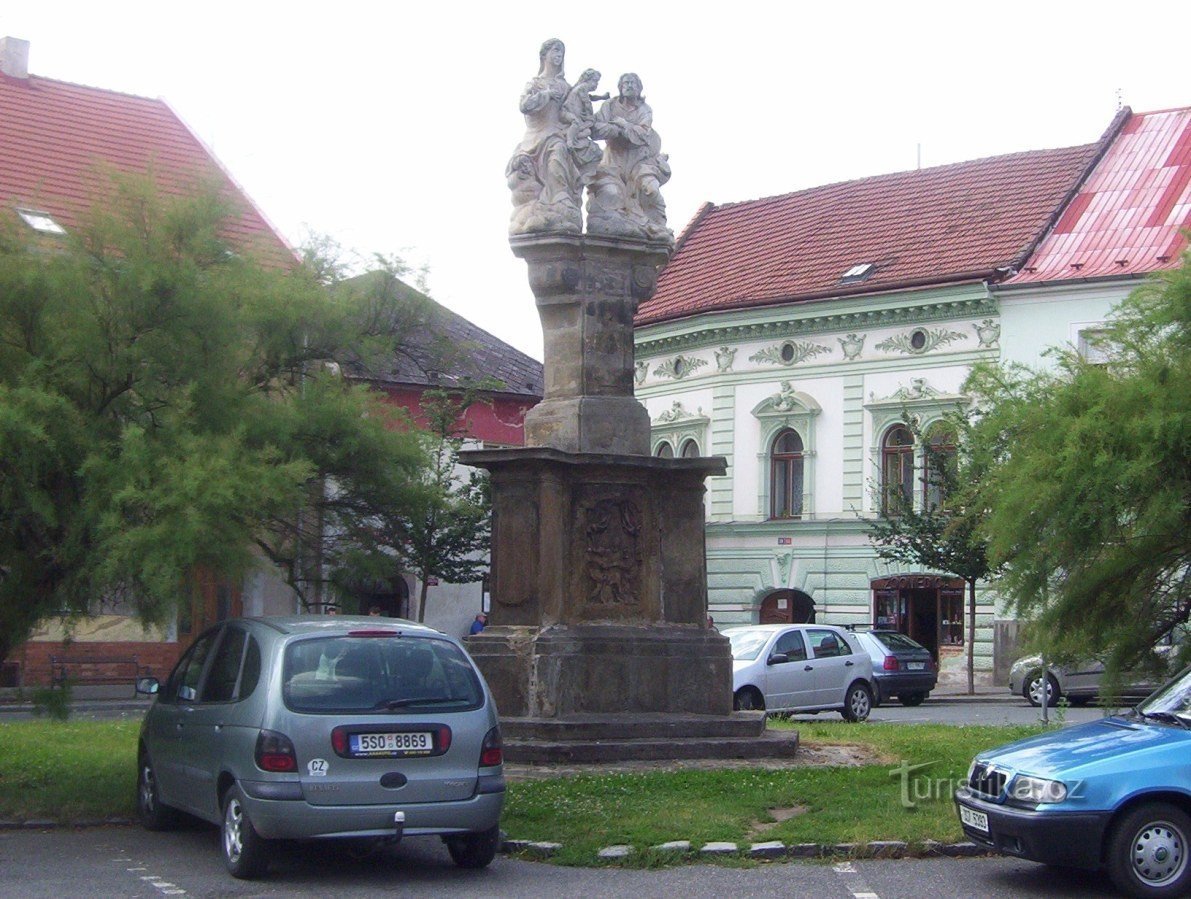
x: 417, y: 743
x: 978, y: 820
x: 915, y: 666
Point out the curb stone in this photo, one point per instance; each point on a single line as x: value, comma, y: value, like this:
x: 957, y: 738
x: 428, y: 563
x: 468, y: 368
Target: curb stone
x: 615, y: 853
x: 771, y: 849
x: 877, y: 849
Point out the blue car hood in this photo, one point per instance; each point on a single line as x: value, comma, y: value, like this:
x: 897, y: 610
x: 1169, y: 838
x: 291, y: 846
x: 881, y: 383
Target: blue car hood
x: 1084, y: 747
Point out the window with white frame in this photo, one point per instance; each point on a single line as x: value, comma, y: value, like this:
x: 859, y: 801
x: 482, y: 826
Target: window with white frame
x: 787, y: 457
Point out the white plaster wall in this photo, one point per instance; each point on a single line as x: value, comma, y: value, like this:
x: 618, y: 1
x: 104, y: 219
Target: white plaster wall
x: 1034, y: 320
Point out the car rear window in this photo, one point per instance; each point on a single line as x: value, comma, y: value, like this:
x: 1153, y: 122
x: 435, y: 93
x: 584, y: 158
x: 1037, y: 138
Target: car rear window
x: 894, y: 641
x: 387, y: 674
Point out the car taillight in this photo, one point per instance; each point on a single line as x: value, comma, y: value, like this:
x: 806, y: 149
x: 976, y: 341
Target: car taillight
x: 275, y: 752
x: 890, y: 663
x: 492, y: 752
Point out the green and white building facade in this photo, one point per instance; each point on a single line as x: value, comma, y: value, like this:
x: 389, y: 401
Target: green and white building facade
x: 795, y: 335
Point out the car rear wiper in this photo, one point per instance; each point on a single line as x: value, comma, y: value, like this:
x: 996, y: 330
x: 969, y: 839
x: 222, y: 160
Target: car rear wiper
x: 1167, y: 717
x: 393, y: 704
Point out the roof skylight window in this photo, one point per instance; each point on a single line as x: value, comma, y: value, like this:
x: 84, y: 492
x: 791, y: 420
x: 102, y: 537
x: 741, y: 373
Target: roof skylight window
x: 858, y: 272
x: 40, y: 221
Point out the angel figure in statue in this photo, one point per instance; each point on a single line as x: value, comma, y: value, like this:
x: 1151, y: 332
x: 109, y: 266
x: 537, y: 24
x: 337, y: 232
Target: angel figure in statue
x: 543, y: 174
x: 625, y: 199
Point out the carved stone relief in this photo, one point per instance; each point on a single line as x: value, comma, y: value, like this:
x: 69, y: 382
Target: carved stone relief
x: 612, y: 562
x: 640, y: 371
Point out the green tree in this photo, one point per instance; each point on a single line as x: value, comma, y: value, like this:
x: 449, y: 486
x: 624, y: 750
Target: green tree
x: 449, y: 535
x: 167, y: 401
x: 1088, y: 481
x: 942, y: 534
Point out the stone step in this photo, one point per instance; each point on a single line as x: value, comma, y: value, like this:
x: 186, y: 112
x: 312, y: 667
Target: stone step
x: 765, y: 746
x: 634, y: 726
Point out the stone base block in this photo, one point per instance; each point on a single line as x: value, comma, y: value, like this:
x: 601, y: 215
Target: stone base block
x: 589, y: 424
x: 564, y: 671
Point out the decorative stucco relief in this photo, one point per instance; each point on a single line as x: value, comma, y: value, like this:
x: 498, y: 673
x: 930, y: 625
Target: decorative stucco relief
x: 724, y: 357
x: 989, y: 333
x: 852, y: 345
x: 919, y: 341
x: 679, y: 367
x: 789, y: 352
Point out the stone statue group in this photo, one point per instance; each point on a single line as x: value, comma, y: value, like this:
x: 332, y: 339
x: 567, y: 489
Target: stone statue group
x: 559, y: 157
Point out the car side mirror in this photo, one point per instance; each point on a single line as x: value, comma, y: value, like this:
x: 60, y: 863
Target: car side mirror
x: 147, y: 686
x: 778, y: 658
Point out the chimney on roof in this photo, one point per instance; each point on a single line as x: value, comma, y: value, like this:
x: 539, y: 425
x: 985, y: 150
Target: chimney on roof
x: 14, y: 57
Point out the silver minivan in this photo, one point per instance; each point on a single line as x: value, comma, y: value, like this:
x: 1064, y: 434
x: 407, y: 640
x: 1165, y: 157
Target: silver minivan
x: 324, y: 727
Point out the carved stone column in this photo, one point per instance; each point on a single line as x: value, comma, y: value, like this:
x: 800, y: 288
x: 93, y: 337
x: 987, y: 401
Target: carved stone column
x: 587, y: 290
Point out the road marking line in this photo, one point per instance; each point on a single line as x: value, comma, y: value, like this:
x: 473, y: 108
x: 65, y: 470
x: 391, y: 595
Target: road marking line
x: 854, y: 882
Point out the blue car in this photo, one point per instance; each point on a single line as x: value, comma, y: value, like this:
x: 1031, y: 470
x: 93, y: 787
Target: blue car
x: 1113, y: 793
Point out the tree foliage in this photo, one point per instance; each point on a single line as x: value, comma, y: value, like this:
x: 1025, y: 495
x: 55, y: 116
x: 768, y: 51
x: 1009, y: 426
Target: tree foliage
x: 169, y: 402
x: 943, y: 532
x: 1086, y: 501
x: 449, y: 534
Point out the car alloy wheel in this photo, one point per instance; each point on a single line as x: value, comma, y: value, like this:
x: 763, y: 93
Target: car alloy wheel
x: 153, y: 814
x: 243, y: 848
x: 858, y: 703
x: 1034, y: 690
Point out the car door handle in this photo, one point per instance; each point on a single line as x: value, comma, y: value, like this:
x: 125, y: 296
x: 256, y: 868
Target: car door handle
x: 849, y: 664
x: 809, y: 668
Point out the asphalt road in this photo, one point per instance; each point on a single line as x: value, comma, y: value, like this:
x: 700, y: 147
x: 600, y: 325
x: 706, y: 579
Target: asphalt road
x: 129, y: 862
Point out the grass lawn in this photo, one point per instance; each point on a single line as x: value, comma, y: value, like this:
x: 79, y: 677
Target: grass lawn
x: 79, y: 770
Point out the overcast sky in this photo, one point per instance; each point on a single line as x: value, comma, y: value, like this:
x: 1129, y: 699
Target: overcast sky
x: 388, y: 125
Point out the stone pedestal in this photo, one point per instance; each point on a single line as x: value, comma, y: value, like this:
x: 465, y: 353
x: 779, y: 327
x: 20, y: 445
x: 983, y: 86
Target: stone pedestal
x: 599, y: 586
x: 587, y: 290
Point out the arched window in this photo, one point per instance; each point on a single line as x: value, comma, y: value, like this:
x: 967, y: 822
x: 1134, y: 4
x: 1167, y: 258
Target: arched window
x: 897, y: 470
x: 938, y: 465
x: 786, y: 475
x: 664, y: 451
x: 690, y: 450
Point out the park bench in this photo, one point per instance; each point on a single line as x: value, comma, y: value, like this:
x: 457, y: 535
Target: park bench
x: 95, y: 670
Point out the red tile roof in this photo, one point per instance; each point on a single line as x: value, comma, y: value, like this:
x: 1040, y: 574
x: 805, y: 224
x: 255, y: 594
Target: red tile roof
x: 941, y: 225
x: 55, y: 136
x: 1128, y: 215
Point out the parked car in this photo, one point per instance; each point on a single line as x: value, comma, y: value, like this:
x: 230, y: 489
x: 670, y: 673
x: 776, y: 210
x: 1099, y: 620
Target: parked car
x: 1080, y: 682
x: 1112, y: 793
x: 324, y: 727
x: 901, y: 667
x: 800, y: 668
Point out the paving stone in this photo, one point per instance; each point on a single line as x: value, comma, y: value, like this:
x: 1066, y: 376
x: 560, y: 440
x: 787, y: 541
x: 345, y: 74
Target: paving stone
x: 805, y: 850
x: 514, y: 845
x: 719, y: 849
x: 849, y: 849
x: 674, y: 846
x: 771, y: 849
x: 929, y: 849
x: 886, y: 849
x: 39, y: 822
x: 612, y: 853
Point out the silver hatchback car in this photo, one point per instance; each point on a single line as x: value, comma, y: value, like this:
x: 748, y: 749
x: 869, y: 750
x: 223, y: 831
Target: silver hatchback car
x: 324, y: 727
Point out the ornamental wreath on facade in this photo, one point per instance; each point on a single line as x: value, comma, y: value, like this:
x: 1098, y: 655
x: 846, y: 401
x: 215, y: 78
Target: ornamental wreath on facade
x: 919, y: 341
x: 789, y: 353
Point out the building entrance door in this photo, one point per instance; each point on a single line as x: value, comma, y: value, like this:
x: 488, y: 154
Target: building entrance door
x: 787, y: 607
x: 925, y: 607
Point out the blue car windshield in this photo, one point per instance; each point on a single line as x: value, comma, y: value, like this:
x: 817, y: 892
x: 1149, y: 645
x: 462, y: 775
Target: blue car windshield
x: 378, y: 674
x: 1173, y: 699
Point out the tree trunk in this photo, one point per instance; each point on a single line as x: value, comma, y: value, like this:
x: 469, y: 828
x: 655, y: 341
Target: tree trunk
x: 971, y: 636
x: 422, y: 588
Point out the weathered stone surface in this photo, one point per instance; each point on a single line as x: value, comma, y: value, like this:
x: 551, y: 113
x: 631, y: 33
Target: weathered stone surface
x: 614, y: 853
x: 677, y: 846
x: 719, y: 849
x: 805, y: 850
x: 886, y: 849
x: 771, y: 849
